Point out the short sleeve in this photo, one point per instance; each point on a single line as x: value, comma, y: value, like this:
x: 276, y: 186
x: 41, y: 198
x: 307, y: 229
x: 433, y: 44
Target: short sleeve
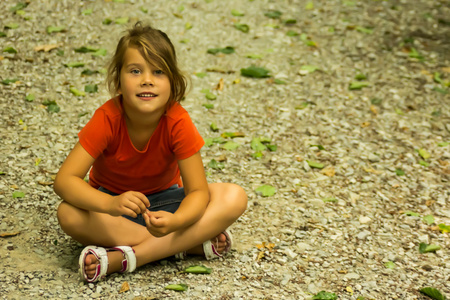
x: 95, y: 135
x: 186, y: 140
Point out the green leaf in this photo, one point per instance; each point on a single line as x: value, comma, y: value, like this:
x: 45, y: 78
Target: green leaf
x: 107, y: 21
x: 272, y: 148
x: 444, y: 228
x: 429, y: 219
x: 10, y: 50
x: 302, y: 105
x: 230, y: 145
x: 237, y: 13
x: 143, y: 9
x: 18, y: 194
x: 257, y: 155
x: 320, y: 147
x: 266, y: 190
x: 210, y: 96
x: 307, y: 69
x: 432, y: 293
x: 273, y: 14
x: 213, y: 127
x: 30, y: 98
x: 77, y: 92
x: 198, y: 270
x: 425, y: 248
x: 290, y: 22
x: 439, y: 90
x: 255, y: 72
x: 437, y: 77
x: 208, y: 105
x: 292, y: 33
x: 188, y: 26
x: 423, y: 163
x: 18, y: 6
x: 210, y: 141
x: 214, y: 164
x: 443, y: 144
x: 177, y: 287
x: 314, y: 164
x: 123, y: 20
x: 330, y: 199
x: 322, y: 295
x: 51, y: 106
x: 357, y: 85
x: 85, y: 49
x: 399, y: 172
x: 414, y: 54
x: 375, y: 101
x: 87, y: 12
x: 256, y: 145
x: 12, y: 26
x: 425, y: 155
x: 232, y: 134
x: 360, y: 76
x: 2, y: 34
x: 201, y: 74
x: 100, y: 52
x: 51, y: 29
x: 74, y: 65
x: 309, y: 5
x: 242, y: 27
x: 364, y: 29
x: 226, y: 50
x: 411, y: 213
x: 88, y: 72
x: 91, y: 88
x: 389, y: 265
x: 253, y: 56
x: 9, y: 81
x: 279, y: 81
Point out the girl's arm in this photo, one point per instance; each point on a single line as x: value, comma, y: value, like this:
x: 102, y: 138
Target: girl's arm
x: 70, y: 186
x: 193, y: 205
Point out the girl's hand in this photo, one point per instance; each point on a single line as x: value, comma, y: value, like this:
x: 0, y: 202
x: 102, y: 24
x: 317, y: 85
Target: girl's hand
x: 129, y: 203
x: 161, y: 223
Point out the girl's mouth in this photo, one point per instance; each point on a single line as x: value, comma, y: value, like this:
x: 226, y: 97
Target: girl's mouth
x: 147, y: 95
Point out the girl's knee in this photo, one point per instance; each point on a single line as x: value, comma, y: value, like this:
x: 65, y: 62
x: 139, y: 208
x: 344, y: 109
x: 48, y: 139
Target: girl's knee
x: 233, y: 198
x: 68, y: 217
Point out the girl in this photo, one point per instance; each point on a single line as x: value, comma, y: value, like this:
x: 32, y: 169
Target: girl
x: 142, y: 147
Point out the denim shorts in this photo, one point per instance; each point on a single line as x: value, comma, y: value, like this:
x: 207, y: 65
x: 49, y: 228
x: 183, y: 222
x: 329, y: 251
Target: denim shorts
x: 168, y: 200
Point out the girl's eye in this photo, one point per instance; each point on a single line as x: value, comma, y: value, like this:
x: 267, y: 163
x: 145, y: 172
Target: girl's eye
x: 159, y: 72
x: 135, y: 71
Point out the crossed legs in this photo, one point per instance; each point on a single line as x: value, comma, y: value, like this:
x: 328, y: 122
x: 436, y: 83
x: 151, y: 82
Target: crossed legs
x: 227, y: 203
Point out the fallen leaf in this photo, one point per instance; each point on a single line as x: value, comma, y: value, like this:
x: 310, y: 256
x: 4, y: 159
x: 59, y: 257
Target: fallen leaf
x: 9, y: 234
x: 45, y: 183
x: 177, y: 287
x: 349, y: 290
x: 125, y: 287
x: 220, y: 85
x: 198, y: 270
x: 365, y: 124
x: 374, y: 109
x: 260, y: 255
x: 266, y: 190
x: 242, y: 27
x: 255, y: 72
x: 432, y: 293
x: 425, y: 248
x: 314, y: 164
x: 328, y: 171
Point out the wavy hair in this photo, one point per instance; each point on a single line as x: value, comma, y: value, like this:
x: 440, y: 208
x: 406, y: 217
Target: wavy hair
x: 157, y: 49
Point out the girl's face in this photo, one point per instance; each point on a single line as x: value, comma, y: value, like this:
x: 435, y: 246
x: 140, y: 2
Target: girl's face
x: 144, y: 87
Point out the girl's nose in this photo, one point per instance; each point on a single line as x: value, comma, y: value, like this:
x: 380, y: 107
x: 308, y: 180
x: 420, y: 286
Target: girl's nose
x: 147, y: 80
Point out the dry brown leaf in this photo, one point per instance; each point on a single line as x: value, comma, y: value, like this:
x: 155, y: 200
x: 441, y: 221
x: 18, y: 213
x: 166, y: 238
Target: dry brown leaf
x: 47, y: 48
x: 2, y: 57
x: 425, y: 72
x: 221, y: 158
x: 261, y: 246
x: 370, y: 170
x: 220, y: 85
x: 429, y: 202
x: 270, y: 246
x: 13, y: 186
x: 328, y: 171
x: 125, y: 287
x: 343, y: 271
x: 260, y: 255
x: 443, y: 163
x: 374, y: 109
x: 8, y: 234
x: 45, y: 182
x: 446, y: 69
x: 365, y: 124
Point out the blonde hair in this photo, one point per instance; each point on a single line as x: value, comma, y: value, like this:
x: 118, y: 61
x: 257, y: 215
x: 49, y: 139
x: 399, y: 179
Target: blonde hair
x: 157, y: 49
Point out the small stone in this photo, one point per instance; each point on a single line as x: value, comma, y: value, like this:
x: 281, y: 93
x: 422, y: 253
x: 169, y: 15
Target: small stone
x: 427, y: 268
x: 364, y: 220
x: 290, y: 253
x: 374, y: 157
x: 316, y: 203
x: 302, y: 247
x: 352, y: 276
x: 363, y: 235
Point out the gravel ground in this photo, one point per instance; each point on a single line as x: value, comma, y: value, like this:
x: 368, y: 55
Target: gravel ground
x: 352, y: 227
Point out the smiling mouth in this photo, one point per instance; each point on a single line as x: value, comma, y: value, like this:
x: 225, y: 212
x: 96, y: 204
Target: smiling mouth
x: 147, y: 95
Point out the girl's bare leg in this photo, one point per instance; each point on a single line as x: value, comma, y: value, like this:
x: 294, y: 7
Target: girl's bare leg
x: 227, y: 203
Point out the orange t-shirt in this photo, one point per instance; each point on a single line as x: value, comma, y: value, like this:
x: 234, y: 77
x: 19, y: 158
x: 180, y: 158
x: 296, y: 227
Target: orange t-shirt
x: 120, y: 167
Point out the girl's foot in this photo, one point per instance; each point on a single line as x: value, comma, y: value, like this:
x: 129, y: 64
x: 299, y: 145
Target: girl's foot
x: 219, y: 242
x: 114, y: 263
